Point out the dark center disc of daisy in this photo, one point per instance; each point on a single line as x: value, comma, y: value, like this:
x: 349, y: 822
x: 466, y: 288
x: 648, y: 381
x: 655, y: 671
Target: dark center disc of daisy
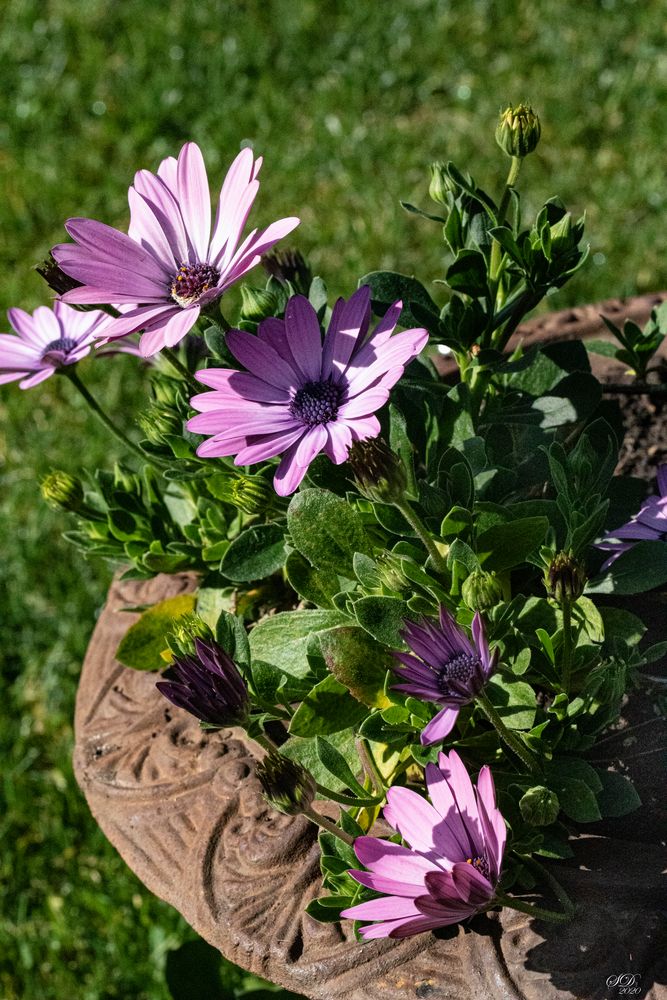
x: 460, y: 668
x: 191, y: 281
x: 315, y: 403
x: 482, y: 866
x: 61, y: 346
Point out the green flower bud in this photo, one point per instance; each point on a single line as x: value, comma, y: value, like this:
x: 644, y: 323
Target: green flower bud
x: 166, y: 391
x: 125, y: 480
x: 539, y: 806
x: 481, y: 590
x: 565, y: 578
x: 391, y: 573
x: 287, y: 786
x: 158, y: 421
x: 518, y: 130
x: 257, y: 303
x: 251, y: 494
x: 378, y: 472
x: 561, y: 235
x: 440, y: 184
x: 187, y: 628
x: 62, y: 491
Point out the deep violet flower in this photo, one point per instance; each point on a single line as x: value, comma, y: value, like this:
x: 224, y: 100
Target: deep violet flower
x: 650, y: 524
x: 169, y: 265
x: 47, y: 340
x: 452, y: 866
x: 444, y: 666
x: 300, y: 394
x: 209, y: 686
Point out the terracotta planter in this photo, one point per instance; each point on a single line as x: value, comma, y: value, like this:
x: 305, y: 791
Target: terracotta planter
x: 184, y: 810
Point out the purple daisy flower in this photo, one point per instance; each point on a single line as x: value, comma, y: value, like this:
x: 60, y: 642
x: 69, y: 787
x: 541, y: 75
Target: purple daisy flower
x: 448, y: 668
x: 452, y: 866
x: 170, y: 265
x: 209, y: 686
x: 301, y: 395
x: 650, y: 524
x: 46, y: 341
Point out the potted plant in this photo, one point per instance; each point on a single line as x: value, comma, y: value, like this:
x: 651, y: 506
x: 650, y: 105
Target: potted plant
x: 382, y: 605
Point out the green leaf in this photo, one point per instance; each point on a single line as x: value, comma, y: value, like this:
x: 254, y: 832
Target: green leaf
x: 315, y: 585
x: 257, y: 552
x: 641, y: 568
x: 388, y: 286
x: 327, y: 708
x: 336, y: 764
x: 621, y: 625
x: 513, y: 700
x: 282, y: 639
x: 577, y: 799
x: 504, y: 546
x: 326, y: 530
x: 618, y: 796
x: 305, y: 752
x: 468, y: 274
x: 585, y: 611
x: 382, y: 617
x: 211, y: 602
x: 142, y: 644
x: 358, y: 662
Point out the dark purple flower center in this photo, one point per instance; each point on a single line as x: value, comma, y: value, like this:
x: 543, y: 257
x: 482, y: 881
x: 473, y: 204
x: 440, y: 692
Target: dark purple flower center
x: 316, y: 403
x: 459, y: 669
x: 57, y: 347
x: 191, y: 281
x: 482, y: 866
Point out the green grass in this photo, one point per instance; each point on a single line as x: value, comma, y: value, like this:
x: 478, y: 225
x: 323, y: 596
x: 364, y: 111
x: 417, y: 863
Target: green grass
x: 348, y: 102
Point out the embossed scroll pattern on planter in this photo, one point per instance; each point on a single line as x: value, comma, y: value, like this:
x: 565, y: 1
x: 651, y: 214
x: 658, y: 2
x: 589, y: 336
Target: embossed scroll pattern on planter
x: 185, y: 811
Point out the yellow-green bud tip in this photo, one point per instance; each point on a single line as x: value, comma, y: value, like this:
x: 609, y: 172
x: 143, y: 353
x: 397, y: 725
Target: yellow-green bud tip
x: 62, y: 491
x: 185, y: 630
x: 518, y: 130
x: 481, y: 591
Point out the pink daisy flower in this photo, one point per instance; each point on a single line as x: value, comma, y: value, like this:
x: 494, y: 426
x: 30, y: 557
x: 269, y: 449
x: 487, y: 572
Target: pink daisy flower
x: 170, y: 265
x: 302, y: 395
x: 452, y: 866
x: 47, y: 340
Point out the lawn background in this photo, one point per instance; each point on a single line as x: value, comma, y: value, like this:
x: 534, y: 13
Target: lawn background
x: 348, y: 102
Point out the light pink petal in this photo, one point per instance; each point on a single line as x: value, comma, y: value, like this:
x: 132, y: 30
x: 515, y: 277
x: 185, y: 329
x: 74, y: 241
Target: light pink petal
x: 339, y: 441
x: 146, y: 229
x: 364, y: 404
x: 388, y: 885
x: 310, y: 445
x: 270, y: 446
x: 213, y: 448
x: 227, y: 259
x: 35, y: 379
x: 304, y: 337
x: 439, y: 727
x: 471, y: 886
x: 352, y: 322
x: 417, y: 820
x: 397, y: 929
x: 393, y: 860
x: 194, y: 198
x: 108, y: 245
x: 363, y: 428
x: 26, y: 327
x: 458, y: 779
x: 92, y: 295
x: 180, y: 324
x: 114, y: 279
x: 241, y: 261
x: 161, y: 199
x: 239, y: 176
x: 243, y: 385
x: 385, y: 908
x: 387, y: 324
x: 168, y: 172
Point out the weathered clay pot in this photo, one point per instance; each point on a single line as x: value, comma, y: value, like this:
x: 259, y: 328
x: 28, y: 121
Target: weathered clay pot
x: 185, y: 811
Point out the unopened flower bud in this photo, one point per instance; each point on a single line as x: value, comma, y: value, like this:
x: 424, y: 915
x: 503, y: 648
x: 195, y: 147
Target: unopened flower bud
x: 561, y: 234
x: 158, y: 421
x: 287, y: 786
x: 481, y: 590
x: 257, y: 303
x: 440, y: 184
x: 518, y: 130
x: 289, y: 266
x: 539, y: 806
x: 251, y: 494
x: 565, y: 578
x: 56, y: 279
x: 124, y: 479
x: 379, y: 473
x: 185, y: 630
x: 390, y: 572
x: 62, y: 491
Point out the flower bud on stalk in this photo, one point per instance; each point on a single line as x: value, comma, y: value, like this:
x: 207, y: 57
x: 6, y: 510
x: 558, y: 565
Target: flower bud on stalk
x: 257, y: 303
x: 481, y: 590
x: 186, y: 629
x: 565, y: 578
x: 251, y: 494
x: 287, y: 786
x: 208, y: 684
x: 158, y: 421
x: 390, y: 572
x: 289, y: 266
x: 440, y: 184
x: 518, y: 130
x: 378, y: 472
x: 539, y: 806
x: 62, y: 491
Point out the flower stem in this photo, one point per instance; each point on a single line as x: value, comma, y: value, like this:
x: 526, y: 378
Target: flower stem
x: 418, y: 525
x: 175, y: 361
x: 327, y: 824
x: 539, y: 912
x: 508, y: 737
x: 265, y: 742
x: 496, y: 249
x: 370, y: 767
x: 566, y: 608
x: 101, y: 415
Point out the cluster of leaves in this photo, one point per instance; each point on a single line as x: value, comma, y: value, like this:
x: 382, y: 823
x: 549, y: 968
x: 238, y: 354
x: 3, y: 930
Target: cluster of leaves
x: 638, y: 347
